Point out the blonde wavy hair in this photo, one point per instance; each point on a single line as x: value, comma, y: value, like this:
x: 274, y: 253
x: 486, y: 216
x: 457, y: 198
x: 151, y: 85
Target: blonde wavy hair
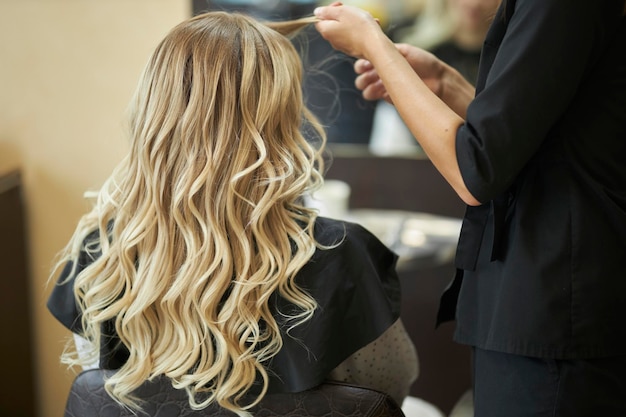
x: 203, y: 219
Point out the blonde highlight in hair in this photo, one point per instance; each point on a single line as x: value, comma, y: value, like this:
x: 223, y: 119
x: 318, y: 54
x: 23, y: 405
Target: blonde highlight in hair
x: 203, y: 221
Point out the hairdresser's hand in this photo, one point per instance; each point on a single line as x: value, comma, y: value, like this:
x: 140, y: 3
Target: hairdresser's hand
x: 429, y: 68
x: 348, y: 29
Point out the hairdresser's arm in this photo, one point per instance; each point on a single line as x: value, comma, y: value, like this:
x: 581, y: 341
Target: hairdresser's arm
x: 433, y: 122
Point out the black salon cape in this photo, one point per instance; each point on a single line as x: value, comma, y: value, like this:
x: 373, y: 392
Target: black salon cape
x: 355, y: 285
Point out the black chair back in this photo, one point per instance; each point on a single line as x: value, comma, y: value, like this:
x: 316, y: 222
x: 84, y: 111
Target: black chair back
x: 88, y: 398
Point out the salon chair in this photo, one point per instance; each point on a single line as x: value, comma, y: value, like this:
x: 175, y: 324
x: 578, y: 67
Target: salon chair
x: 88, y: 398
x: 413, y: 184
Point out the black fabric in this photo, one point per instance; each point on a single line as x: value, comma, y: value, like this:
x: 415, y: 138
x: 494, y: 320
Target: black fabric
x: 356, y: 288
x: 543, y: 148
x: 518, y: 386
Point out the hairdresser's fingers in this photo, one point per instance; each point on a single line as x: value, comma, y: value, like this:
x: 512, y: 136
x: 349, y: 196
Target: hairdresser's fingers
x: 375, y: 91
x: 349, y: 15
x: 347, y: 28
x: 328, y: 12
x: 362, y: 65
x: 336, y: 3
x: 362, y: 81
x: 328, y: 23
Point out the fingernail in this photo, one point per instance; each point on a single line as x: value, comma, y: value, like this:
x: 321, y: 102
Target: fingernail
x: 317, y: 11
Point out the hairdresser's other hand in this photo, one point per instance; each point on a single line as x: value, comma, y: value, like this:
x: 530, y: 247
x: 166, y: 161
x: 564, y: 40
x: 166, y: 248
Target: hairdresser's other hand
x: 347, y: 28
x: 427, y: 66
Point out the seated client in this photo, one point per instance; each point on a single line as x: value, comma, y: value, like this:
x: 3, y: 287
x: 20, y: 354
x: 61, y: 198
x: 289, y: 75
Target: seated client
x: 199, y: 261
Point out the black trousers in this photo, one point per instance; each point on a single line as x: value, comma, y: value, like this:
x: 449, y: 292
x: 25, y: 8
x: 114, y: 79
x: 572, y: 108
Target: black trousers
x: 507, y: 385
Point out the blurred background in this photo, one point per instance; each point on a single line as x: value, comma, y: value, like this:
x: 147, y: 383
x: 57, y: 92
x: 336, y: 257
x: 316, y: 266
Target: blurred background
x: 68, y: 70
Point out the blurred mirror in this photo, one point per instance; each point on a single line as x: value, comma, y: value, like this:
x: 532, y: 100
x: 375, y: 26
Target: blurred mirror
x: 452, y: 29
x: 329, y: 76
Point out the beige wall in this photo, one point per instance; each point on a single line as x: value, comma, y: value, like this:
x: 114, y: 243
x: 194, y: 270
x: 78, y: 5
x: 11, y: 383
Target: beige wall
x: 68, y: 68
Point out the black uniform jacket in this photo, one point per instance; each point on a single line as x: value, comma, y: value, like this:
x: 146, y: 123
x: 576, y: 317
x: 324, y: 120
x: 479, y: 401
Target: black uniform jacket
x: 541, y: 261
x: 355, y: 285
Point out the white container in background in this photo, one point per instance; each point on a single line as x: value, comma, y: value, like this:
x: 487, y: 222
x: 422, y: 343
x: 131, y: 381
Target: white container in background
x: 331, y: 200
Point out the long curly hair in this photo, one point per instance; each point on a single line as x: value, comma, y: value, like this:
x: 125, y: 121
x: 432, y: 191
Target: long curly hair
x: 203, y: 221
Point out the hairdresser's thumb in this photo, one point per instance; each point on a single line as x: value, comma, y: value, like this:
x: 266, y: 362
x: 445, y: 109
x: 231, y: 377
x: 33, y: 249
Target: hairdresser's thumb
x: 327, y: 12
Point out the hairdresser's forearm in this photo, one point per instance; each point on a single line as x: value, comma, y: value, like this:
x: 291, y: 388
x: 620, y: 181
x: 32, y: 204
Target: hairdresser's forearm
x: 456, y: 91
x: 433, y: 121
